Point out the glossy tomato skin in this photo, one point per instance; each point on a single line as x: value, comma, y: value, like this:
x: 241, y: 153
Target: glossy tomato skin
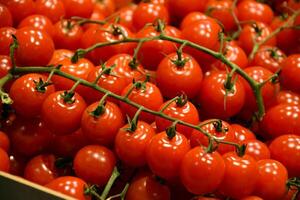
x: 191, y: 18
x: 5, y: 16
x: 289, y: 76
x: 71, y: 186
x: 271, y: 181
x: 126, y: 16
x: 59, y: 55
x: 102, y: 129
x: 285, y: 149
x: 35, y: 47
x: 107, y: 7
x: 41, y: 169
x: 173, y: 78
x: 162, y: 148
x: 251, y: 198
x: 4, y: 164
x: 282, y: 119
x: 257, y: 149
x: 62, y: 117
x: 187, y: 113
x: 82, y: 8
x: 202, y: 172
x: 94, y: 164
x: 4, y: 141
x: 181, y: 8
x: 131, y: 146
x: 213, y: 95
x: 27, y: 100
x: 20, y: 9
x: 242, y: 134
x: 40, y: 22
x: 240, y: 175
x: 288, y: 97
x: 5, y: 65
x: 6, y: 39
x: 150, y: 97
x: 53, y: 9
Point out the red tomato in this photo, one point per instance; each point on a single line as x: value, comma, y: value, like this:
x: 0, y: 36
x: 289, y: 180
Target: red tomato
x: 40, y: 22
x: 27, y: 100
x: 147, y: 188
x: 6, y: 39
x: 131, y: 146
x: 20, y: 9
x: 35, y: 47
x: 125, y: 15
x: 191, y: 18
x: 5, y: 16
x: 271, y: 181
x: 289, y: 76
x: 288, y: 97
x: 282, y: 119
x: 79, y: 8
x: 251, y: 198
x: 255, y: 32
x: 187, y: 113
x: 161, y: 149
x: 5, y: 65
x: 257, y: 149
x: 41, y: 169
x: 4, y: 141
x: 149, y: 97
x: 252, y: 10
x: 94, y: 164
x: 240, y: 175
x: 68, y: 112
x: 106, y: 7
x: 53, y: 9
x: 102, y: 129
x: 217, y: 100
x: 242, y: 134
x: 174, y: 76
x: 220, y: 130
x: 4, y: 164
x: 59, y: 55
x: 181, y: 8
x: 70, y: 185
x: 202, y: 172
x: 285, y: 149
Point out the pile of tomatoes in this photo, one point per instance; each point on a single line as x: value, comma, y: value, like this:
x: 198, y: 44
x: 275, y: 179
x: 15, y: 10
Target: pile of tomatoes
x: 176, y: 122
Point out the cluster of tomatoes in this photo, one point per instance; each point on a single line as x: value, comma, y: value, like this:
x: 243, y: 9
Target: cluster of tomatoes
x: 174, y: 120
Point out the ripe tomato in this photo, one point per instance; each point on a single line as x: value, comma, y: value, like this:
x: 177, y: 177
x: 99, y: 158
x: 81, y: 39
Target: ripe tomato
x: 4, y: 141
x: 202, y: 172
x: 220, y: 130
x: 162, y: 148
x: 149, y: 97
x: 125, y: 15
x: 242, y: 134
x: 186, y: 112
x: 67, y: 34
x: 53, y: 9
x: 181, y: 8
x: 147, y: 188
x: 102, y: 129
x: 174, y: 76
x: 217, y: 100
x: 257, y: 149
x: 240, y: 175
x: 288, y: 97
x: 191, y: 18
x: 269, y: 57
x: 131, y: 146
x: 71, y: 186
x: 271, y: 181
x: 285, y: 149
x: 5, y: 16
x: 106, y: 7
x: 68, y: 112
x: 40, y: 22
x: 4, y: 164
x: 289, y: 76
x: 82, y: 8
x: 251, y: 198
x: 5, y: 65
x: 35, y: 47
x: 94, y: 164
x: 20, y: 9
x: 255, y: 32
x: 41, y: 169
x: 27, y: 100
x: 147, y: 13
x: 60, y: 54
x: 282, y: 119
x: 6, y: 39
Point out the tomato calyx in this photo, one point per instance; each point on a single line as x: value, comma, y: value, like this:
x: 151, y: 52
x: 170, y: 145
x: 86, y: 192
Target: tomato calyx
x: 218, y: 125
x: 40, y: 85
x: 79, y: 53
x: 257, y: 29
x: 68, y: 97
x: 132, y: 124
x: 181, y: 100
x: 116, y: 30
x: 171, y: 131
x: 294, y: 184
x: 180, y: 62
x: 241, y: 150
x: 159, y: 26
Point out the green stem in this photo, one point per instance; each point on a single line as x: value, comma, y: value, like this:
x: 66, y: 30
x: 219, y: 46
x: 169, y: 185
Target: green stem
x: 5, y: 99
x: 115, y: 174
x: 236, y: 20
x: 121, y: 195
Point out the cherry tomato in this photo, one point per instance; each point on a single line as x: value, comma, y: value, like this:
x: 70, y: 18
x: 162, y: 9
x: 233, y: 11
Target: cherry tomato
x: 202, y: 172
x: 251, y: 198
x: 71, y: 186
x: 27, y: 100
x: 242, y: 134
x: 68, y: 112
x: 4, y: 164
x: 20, y: 9
x: 41, y: 169
x: 40, y: 22
x: 5, y: 16
x: 219, y: 101
x: 162, y: 148
x: 6, y: 39
x: 94, y: 164
x: 191, y: 18
x: 186, y: 112
x: 288, y: 97
x: 59, y: 55
x: 35, y: 47
x: 53, y: 9
x: 175, y: 75
x: 285, y: 149
x: 148, y: 96
x: 106, y: 7
x: 5, y: 65
x: 131, y: 145
x: 82, y: 8
x: 181, y: 8
x: 102, y: 129
x: 4, y: 141
x: 271, y: 181
x: 257, y: 149
x: 289, y: 76
x: 125, y: 15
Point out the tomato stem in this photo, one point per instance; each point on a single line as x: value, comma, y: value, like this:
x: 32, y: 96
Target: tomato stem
x: 5, y: 99
x: 101, y: 106
x: 171, y: 131
x: 120, y: 195
x: 115, y: 174
x: 133, y: 123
